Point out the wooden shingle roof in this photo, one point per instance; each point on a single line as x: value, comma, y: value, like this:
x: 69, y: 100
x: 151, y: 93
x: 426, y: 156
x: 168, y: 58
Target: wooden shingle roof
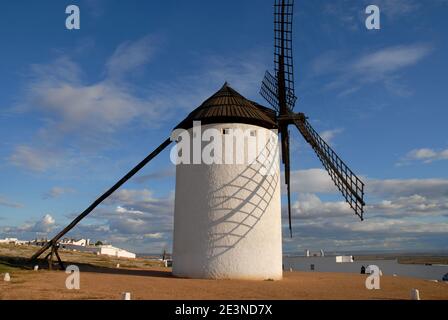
x: 228, y: 106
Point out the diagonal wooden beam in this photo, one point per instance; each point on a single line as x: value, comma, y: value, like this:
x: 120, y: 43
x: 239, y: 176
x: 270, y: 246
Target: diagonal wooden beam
x: 103, y: 197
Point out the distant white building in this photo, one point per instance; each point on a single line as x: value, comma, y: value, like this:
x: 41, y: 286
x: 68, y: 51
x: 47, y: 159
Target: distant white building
x: 83, y: 245
x: 315, y: 254
x: 116, y: 252
x: 9, y: 240
x: 344, y: 259
x: 81, y: 242
x: 14, y: 241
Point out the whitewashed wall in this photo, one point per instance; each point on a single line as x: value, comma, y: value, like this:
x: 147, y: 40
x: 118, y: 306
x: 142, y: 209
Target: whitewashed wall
x: 227, y: 222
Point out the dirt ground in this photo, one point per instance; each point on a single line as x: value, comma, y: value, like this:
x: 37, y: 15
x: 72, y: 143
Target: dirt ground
x: 157, y: 283
x: 146, y: 279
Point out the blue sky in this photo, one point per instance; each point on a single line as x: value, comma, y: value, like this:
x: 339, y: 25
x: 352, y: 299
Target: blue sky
x: 79, y: 108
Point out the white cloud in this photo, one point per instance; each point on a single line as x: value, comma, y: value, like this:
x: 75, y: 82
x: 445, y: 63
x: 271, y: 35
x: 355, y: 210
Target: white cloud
x: 87, y: 113
x: 124, y: 211
x: 31, y: 158
x: 128, y: 196
x: 43, y: 226
x: 394, y: 8
x: 73, y: 105
x: 309, y: 206
x: 42, y: 159
x: 56, y: 192
x: 7, y: 203
x: 375, y: 233
x: 135, y: 219
x: 388, y: 199
x: 329, y: 135
x: 99, y: 107
x: 410, y: 206
x: 318, y: 181
x: 135, y: 212
x: 312, y: 181
x: 351, y: 14
x: 425, y: 155
x: 157, y: 235
x: 131, y: 55
x: 168, y: 172
x: 390, y: 59
x: 395, y: 226
x: 429, y: 188
x: 383, y: 66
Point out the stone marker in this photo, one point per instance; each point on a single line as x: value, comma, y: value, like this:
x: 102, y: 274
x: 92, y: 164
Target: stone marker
x: 36, y: 268
x: 7, y: 277
x: 126, y: 296
x: 415, y: 294
x: 118, y: 265
x: 290, y: 269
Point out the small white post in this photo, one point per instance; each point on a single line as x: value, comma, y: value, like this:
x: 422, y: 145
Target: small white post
x: 290, y: 269
x: 7, y: 277
x: 36, y: 268
x: 126, y: 296
x: 118, y: 265
x: 415, y: 294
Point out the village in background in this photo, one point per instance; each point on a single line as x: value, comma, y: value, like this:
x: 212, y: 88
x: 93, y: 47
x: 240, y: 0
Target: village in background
x: 430, y: 267
x: 82, y: 245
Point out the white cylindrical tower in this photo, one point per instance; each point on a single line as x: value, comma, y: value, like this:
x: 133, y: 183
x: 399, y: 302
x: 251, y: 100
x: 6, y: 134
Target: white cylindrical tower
x: 227, y: 221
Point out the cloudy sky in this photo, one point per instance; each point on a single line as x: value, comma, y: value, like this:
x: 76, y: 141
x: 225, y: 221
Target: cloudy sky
x: 78, y: 109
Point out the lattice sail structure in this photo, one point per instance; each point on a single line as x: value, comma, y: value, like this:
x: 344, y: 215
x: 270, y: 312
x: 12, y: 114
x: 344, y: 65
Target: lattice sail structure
x: 269, y: 90
x: 278, y: 90
x: 351, y: 187
x: 283, y: 59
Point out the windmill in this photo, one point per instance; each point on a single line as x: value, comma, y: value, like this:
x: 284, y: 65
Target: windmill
x: 227, y: 219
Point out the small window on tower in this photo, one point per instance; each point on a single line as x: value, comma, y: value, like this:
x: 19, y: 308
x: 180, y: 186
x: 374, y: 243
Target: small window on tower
x: 253, y: 133
x: 226, y: 131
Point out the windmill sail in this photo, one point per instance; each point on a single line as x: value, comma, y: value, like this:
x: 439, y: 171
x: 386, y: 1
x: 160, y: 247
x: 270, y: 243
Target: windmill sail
x: 351, y: 187
x: 284, y: 67
x: 269, y: 90
x: 278, y: 89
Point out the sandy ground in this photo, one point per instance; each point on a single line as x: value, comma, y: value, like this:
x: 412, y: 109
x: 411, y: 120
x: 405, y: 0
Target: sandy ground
x: 157, y: 283
x: 100, y: 279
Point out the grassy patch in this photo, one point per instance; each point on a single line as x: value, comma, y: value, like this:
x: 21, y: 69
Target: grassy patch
x: 4, y: 267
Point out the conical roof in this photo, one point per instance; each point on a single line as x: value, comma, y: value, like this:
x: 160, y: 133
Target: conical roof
x: 228, y: 106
